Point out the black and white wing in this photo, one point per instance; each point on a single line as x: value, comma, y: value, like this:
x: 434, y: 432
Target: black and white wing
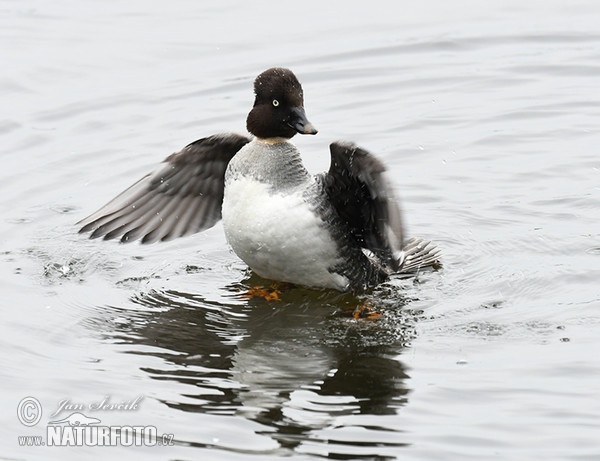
x: 360, y: 193
x: 182, y: 197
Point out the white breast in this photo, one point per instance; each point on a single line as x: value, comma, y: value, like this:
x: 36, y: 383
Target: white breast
x: 278, y: 235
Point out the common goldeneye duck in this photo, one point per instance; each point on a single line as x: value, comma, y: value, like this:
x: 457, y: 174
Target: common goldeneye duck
x: 339, y: 229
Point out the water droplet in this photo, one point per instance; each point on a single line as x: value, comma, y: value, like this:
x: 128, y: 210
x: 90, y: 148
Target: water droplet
x: 492, y: 305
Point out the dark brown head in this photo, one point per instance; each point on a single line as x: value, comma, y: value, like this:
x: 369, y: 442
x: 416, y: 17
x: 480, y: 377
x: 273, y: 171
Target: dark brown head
x: 279, y: 106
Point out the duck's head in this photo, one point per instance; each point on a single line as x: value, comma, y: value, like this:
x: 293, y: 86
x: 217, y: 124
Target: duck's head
x: 278, y: 110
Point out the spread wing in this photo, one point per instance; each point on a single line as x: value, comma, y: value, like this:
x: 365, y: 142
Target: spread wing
x: 183, y: 196
x: 360, y: 193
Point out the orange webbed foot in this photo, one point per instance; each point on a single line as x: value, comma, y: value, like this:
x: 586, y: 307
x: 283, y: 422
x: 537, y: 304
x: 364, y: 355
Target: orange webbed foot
x: 271, y: 293
x: 365, y: 311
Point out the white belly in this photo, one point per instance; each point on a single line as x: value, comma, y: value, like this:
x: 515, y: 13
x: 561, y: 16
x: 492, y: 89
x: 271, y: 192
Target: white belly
x: 278, y: 236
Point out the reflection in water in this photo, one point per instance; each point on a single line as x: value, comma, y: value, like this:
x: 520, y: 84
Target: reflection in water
x: 293, y: 366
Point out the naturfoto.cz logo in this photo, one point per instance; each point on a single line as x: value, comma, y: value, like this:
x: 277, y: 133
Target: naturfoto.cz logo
x: 78, y: 429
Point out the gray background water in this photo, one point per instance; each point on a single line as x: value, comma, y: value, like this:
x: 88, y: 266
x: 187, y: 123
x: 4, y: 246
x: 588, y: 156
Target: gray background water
x: 487, y: 115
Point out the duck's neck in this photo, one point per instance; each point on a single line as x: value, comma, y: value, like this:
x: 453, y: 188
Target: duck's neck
x: 271, y: 141
x: 276, y: 163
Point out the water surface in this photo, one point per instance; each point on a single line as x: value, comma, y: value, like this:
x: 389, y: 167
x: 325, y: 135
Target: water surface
x: 486, y: 116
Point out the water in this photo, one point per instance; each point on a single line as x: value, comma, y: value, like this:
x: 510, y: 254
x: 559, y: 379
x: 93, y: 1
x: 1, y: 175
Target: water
x: 486, y: 115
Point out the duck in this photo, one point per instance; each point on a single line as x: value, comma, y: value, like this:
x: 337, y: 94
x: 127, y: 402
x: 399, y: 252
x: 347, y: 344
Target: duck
x: 341, y: 229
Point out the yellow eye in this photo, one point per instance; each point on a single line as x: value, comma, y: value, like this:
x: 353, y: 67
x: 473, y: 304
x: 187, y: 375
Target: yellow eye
x: 275, y: 102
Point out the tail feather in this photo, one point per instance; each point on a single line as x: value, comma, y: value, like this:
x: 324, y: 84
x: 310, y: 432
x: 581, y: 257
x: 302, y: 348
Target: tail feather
x: 420, y: 254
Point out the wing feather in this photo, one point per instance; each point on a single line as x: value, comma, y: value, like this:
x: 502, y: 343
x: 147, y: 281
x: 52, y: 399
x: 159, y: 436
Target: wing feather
x: 359, y: 191
x: 182, y: 197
